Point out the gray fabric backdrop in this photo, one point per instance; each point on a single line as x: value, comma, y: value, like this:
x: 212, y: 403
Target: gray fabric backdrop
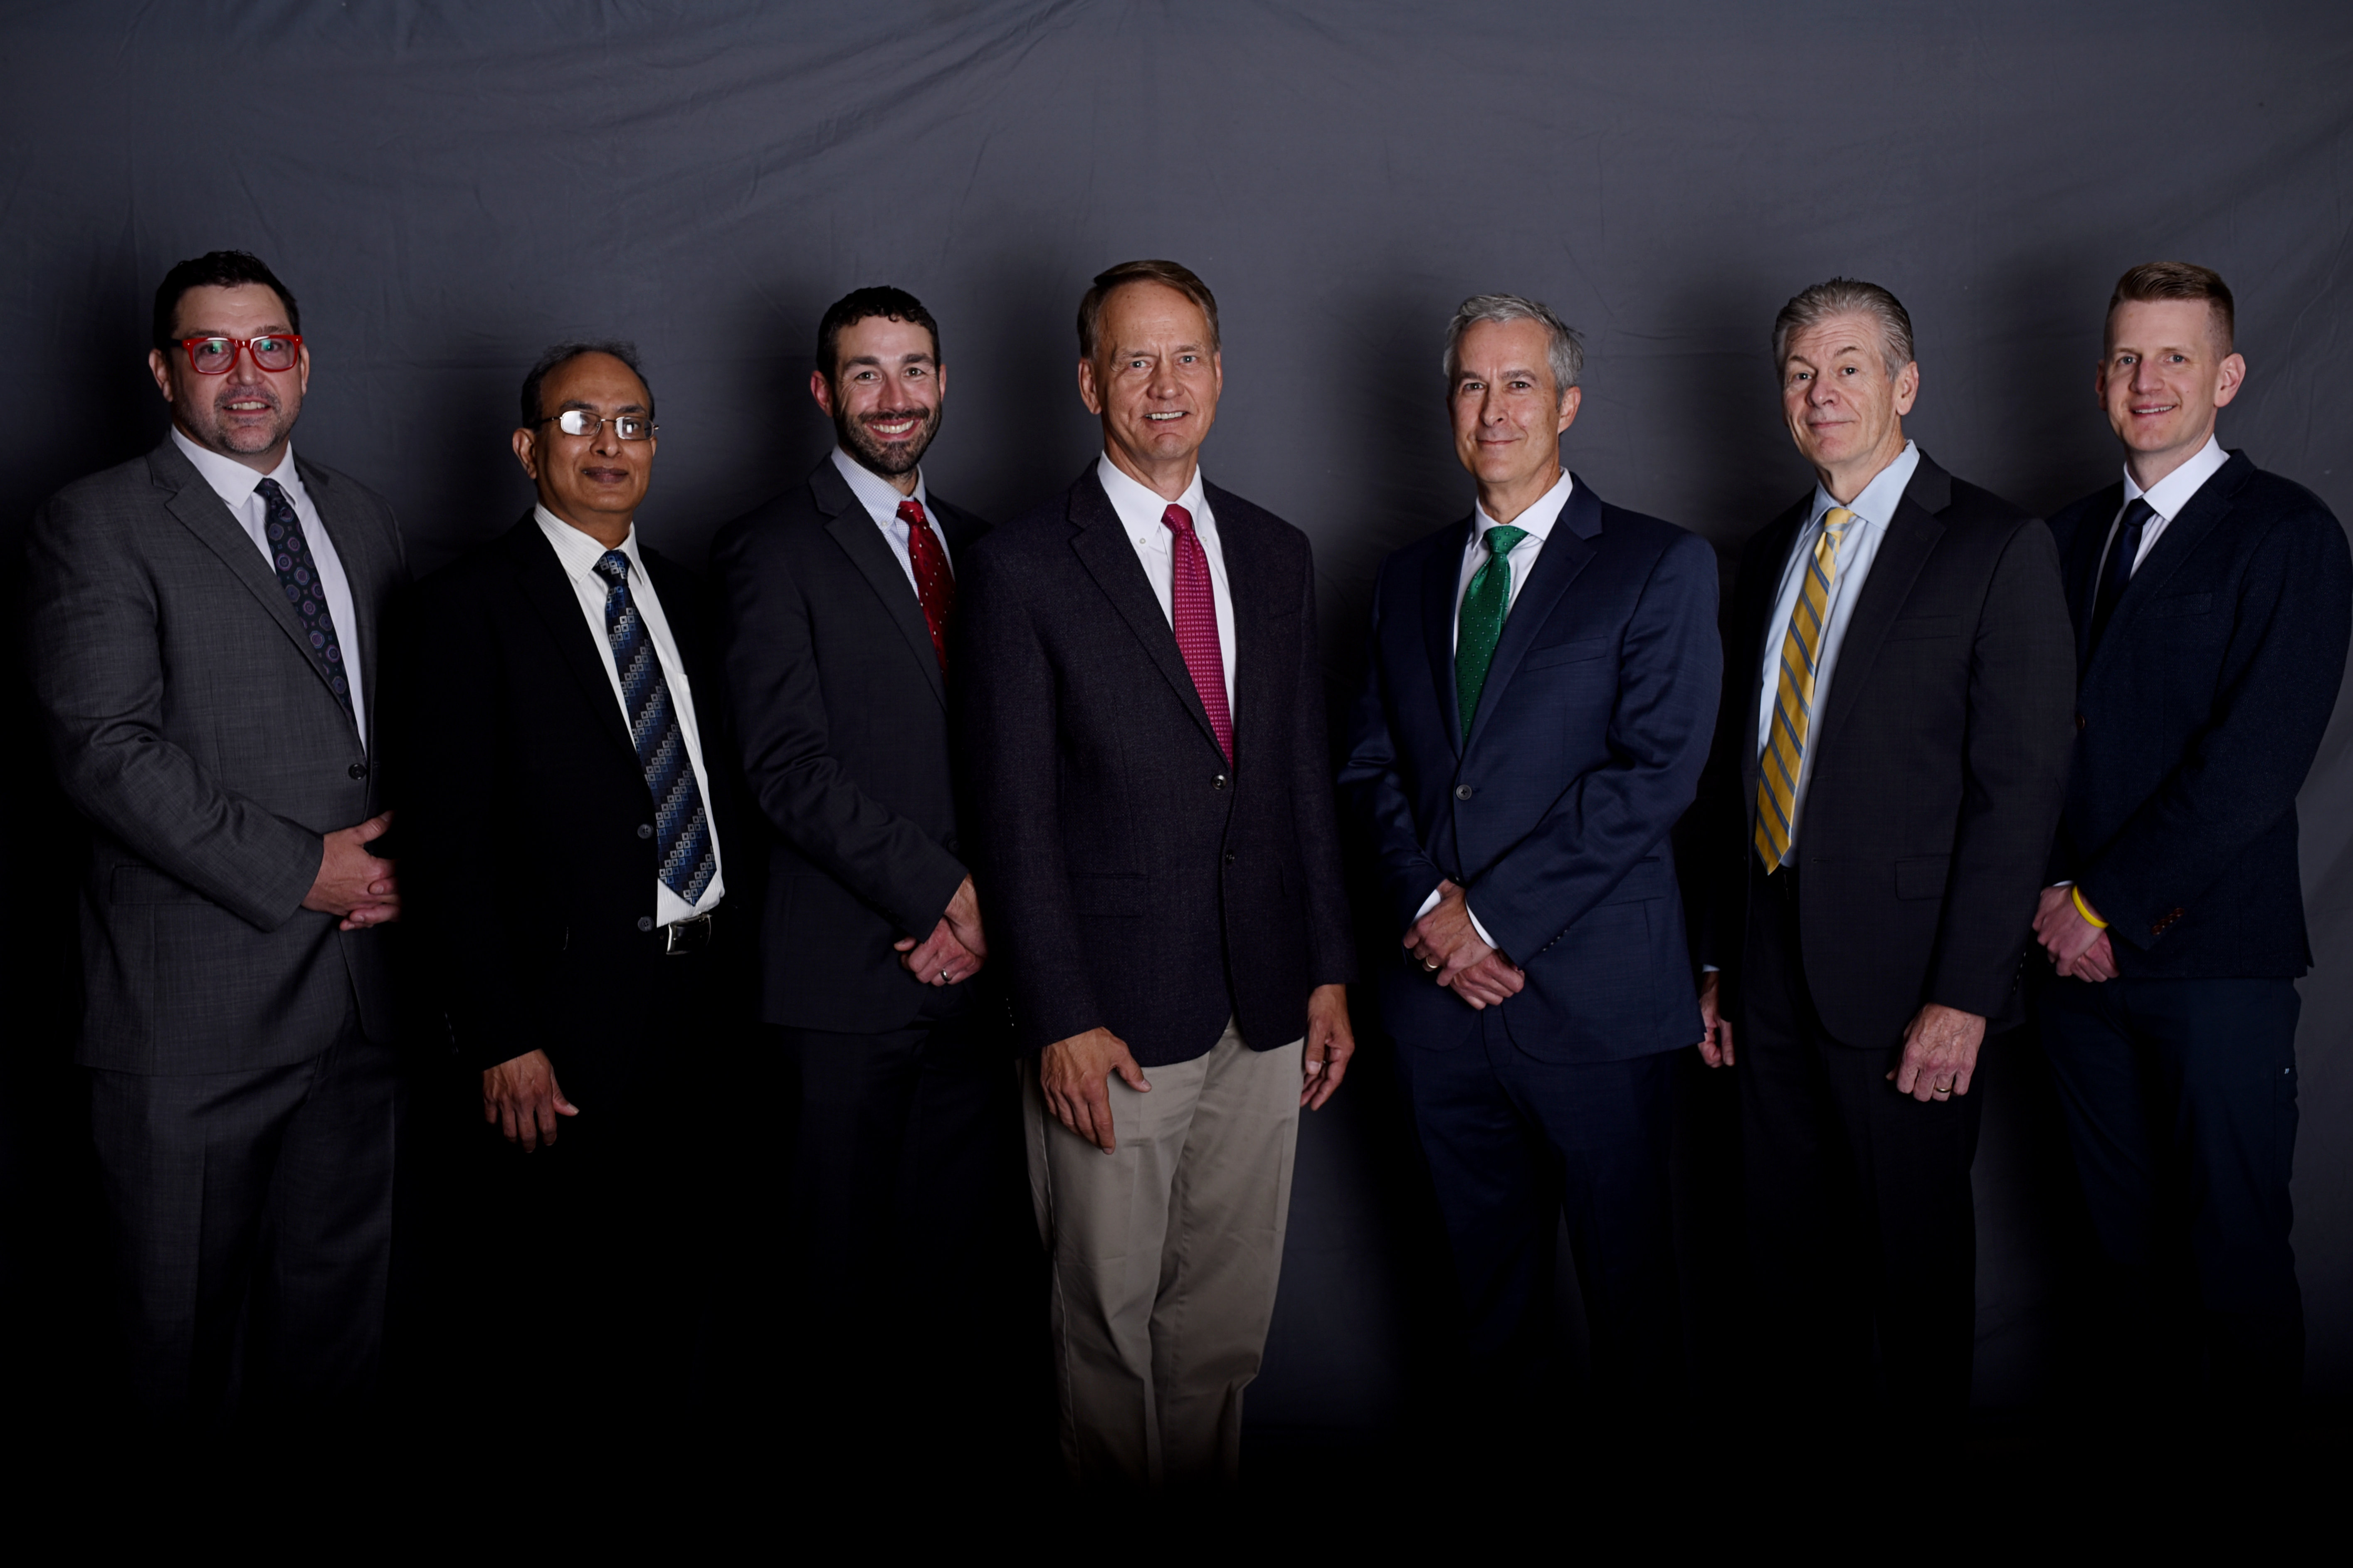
x: 448, y: 187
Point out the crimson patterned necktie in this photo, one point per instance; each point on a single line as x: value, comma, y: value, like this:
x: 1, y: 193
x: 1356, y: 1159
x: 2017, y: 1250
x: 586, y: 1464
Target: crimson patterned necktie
x: 1194, y: 613
x: 935, y: 583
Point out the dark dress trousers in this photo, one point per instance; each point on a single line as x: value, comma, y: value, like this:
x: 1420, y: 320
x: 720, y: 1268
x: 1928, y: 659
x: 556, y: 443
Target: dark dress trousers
x: 1554, y: 815
x: 2199, y: 712
x: 529, y: 882
x: 1936, y: 766
x: 1137, y: 881
x: 905, y: 1173
x: 240, y: 1045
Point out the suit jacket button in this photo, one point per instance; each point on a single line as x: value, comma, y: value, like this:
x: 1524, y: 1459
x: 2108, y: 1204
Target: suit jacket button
x: 1217, y: 782
x: 1229, y: 860
x: 645, y: 830
x: 645, y: 923
x: 357, y: 770
x: 2079, y: 723
x: 1462, y: 792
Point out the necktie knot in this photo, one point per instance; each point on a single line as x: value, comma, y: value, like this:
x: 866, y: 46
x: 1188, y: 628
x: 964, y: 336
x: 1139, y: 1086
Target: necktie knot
x: 911, y: 513
x: 613, y: 566
x: 271, y: 490
x: 1837, y: 520
x: 1503, y: 539
x: 2137, y: 516
x: 1178, y: 520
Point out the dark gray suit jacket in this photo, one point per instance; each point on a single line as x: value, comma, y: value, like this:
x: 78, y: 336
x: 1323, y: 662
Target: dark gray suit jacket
x: 191, y: 725
x: 1938, y: 763
x: 841, y: 711
x: 1132, y: 878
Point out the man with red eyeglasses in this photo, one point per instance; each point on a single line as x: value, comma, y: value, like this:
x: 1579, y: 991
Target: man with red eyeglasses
x: 204, y: 624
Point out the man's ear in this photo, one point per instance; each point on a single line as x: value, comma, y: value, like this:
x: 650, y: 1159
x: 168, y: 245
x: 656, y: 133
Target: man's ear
x: 526, y: 450
x: 1088, y: 393
x: 821, y: 389
x: 1570, y: 402
x: 160, y: 367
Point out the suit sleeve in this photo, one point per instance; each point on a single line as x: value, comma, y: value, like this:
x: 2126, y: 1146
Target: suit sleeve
x: 1671, y: 671
x: 1712, y: 848
x: 99, y: 679
x: 777, y: 709
x: 2022, y: 701
x: 1010, y: 730
x: 1374, y: 788
x: 2280, y: 678
x: 1331, y: 944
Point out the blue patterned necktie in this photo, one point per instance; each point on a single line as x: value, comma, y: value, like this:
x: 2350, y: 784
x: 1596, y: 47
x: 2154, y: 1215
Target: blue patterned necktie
x: 289, y: 552
x: 682, y: 832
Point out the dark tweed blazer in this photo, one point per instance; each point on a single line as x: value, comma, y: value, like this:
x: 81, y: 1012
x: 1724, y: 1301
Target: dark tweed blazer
x: 191, y: 725
x: 1134, y: 880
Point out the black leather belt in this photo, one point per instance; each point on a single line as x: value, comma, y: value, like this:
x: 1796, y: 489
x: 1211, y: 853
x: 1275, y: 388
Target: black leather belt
x: 687, y: 935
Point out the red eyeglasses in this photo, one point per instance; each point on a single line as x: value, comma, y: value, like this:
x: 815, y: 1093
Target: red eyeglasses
x: 218, y: 356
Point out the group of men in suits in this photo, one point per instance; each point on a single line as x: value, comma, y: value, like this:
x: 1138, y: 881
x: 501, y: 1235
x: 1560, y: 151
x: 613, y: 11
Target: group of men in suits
x: 989, y: 847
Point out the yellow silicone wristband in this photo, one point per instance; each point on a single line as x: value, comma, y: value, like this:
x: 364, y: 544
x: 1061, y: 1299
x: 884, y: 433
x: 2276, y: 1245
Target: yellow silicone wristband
x: 2085, y: 909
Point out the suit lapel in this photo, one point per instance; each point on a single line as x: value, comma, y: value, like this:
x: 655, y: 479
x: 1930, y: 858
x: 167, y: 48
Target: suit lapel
x: 2203, y: 514
x: 1101, y: 546
x: 1440, y: 574
x: 541, y: 576
x: 199, y: 509
x: 1912, y: 536
x: 852, y: 527
x: 1249, y: 579
x: 1566, y: 551
x: 2083, y: 566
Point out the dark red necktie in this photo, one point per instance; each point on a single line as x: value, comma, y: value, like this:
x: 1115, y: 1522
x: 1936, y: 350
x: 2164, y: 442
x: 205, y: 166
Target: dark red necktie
x: 935, y: 583
x: 1194, y: 613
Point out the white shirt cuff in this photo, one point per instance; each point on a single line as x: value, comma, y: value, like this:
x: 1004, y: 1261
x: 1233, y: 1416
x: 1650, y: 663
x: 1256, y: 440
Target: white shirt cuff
x: 1431, y: 903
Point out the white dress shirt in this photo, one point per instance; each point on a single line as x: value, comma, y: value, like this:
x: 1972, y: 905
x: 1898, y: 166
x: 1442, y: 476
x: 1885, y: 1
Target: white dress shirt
x: 881, y: 499
x: 1538, y: 520
x: 236, y: 484
x: 1140, y: 511
x: 578, y: 552
x: 1873, y: 509
x: 2166, y: 499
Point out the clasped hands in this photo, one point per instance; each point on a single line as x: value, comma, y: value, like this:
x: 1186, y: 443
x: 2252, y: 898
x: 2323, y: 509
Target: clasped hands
x: 1452, y: 953
x: 356, y: 886
x: 956, y: 948
x: 2078, y: 949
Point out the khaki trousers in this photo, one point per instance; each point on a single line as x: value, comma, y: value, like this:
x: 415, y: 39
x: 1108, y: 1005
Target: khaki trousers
x: 1166, y: 1253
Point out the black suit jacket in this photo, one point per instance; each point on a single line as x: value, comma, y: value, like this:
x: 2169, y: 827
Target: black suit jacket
x: 840, y: 709
x: 1938, y: 763
x: 2200, y: 713
x: 525, y: 871
x: 1134, y: 880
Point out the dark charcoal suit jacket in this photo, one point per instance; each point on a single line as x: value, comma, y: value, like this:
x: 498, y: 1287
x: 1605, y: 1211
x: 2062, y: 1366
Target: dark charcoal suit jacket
x: 2198, y: 717
x: 840, y: 709
x: 1938, y: 763
x: 526, y: 872
x: 1135, y: 880
x: 1554, y: 813
x: 191, y: 725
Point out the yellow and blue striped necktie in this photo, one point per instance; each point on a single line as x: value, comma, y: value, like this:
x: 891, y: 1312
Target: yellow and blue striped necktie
x: 1793, y: 701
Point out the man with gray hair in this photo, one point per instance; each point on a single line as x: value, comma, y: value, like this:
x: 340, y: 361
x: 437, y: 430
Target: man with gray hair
x: 1536, y: 716
x: 1889, y: 766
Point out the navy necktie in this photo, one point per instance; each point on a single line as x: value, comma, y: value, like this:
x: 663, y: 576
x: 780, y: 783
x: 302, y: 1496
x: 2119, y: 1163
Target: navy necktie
x: 682, y: 831
x: 298, y: 574
x: 2116, y: 574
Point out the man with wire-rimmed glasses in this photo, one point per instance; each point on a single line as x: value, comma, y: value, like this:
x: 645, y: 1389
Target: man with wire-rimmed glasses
x: 204, y: 632
x: 566, y: 810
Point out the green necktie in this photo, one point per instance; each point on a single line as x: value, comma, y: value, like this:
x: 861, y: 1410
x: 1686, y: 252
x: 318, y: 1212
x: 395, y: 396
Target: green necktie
x: 1481, y: 621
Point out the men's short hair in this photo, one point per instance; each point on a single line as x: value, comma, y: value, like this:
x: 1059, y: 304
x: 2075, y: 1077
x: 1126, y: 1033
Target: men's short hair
x: 857, y: 306
x: 214, y: 269
x: 1846, y: 297
x: 1170, y: 273
x: 2153, y: 280
x: 559, y: 353
x: 1564, y: 350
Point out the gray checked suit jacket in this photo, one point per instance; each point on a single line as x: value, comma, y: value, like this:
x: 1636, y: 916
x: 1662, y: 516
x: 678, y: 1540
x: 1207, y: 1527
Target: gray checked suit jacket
x: 189, y: 721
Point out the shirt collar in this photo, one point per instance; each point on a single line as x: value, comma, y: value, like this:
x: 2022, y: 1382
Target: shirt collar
x: 877, y: 494
x: 580, y: 552
x: 232, y: 480
x: 1538, y: 521
x: 2170, y: 494
x: 1140, y: 508
x: 1875, y: 507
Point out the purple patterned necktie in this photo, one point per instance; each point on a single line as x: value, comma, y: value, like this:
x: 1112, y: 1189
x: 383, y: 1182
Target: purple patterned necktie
x: 1193, y: 612
x: 684, y: 857
x: 298, y: 575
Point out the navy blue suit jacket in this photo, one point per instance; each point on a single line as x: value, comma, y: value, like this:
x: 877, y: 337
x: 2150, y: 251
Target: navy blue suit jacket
x: 2198, y: 718
x: 1554, y: 815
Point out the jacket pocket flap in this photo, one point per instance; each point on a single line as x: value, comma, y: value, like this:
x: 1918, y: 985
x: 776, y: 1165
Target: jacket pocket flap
x: 1575, y: 651
x: 1923, y: 878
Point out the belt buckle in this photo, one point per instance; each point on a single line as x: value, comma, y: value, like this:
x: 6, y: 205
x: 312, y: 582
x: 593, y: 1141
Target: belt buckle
x: 689, y: 935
